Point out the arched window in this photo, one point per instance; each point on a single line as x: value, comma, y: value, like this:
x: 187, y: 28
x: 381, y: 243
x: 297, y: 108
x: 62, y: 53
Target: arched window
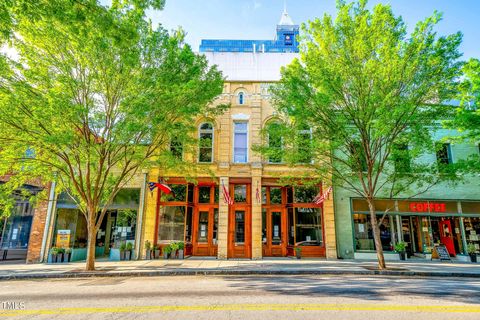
x: 241, y: 98
x: 275, y: 142
x: 205, y: 152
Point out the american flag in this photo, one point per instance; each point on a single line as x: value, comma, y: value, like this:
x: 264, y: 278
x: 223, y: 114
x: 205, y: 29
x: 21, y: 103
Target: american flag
x: 322, y: 196
x: 226, y: 195
x: 162, y: 186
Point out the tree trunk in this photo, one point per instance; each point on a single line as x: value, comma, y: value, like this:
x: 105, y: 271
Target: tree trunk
x: 376, y: 235
x: 92, y: 235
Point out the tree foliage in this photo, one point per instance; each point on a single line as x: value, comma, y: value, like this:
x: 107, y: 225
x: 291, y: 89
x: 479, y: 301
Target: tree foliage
x: 94, y: 96
x: 372, y: 95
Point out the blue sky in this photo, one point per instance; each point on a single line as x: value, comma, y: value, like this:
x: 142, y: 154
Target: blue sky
x: 256, y: 19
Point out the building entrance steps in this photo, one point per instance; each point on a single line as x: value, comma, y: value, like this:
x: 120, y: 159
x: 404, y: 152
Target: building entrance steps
x: 197, y: 266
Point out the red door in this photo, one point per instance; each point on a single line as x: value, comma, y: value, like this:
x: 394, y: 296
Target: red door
x: 446, y: 236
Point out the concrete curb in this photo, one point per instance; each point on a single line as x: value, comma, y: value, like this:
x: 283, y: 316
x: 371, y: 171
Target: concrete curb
x: 226, y: 272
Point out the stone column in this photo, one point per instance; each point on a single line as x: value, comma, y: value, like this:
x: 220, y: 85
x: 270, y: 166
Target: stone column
x: 140, y: 218
x: 256, y: 218
x: 329, y: 220
x: 150, y: 216
x: 223, y: 221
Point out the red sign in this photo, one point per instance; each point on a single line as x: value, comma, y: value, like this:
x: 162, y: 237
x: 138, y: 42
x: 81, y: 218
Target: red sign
x: 427, y: 207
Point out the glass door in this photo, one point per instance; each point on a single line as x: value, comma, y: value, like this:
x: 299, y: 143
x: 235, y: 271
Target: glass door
x: 274, y: 232
x: 205, y: 231
x: 239, y: 234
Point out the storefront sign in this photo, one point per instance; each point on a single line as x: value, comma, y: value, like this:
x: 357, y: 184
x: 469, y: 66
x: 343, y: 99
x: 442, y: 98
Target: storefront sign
x: 63, y: 238
x: 427, y: 207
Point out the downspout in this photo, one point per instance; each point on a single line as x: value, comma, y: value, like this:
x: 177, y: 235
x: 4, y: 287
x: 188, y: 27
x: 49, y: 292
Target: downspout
x: 51, y: 200
x: 141, y: 214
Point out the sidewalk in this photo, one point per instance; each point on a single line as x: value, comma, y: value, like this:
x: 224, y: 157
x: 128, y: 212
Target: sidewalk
x: 209, y: 266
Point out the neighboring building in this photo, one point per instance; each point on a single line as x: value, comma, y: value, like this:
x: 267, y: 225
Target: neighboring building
x: 448, y: 215
x: 286, y: 41
x: 21, y: 233
x: 266, y: 218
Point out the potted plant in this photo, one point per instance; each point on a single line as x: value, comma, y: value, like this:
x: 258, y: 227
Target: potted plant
x: 54, y: 254
x: 472, y: 252
x: 129, y: 250
x: 156, y: 251
x: 175, y: 248
x: 167, y: 250
x: 401, y: 247
x: 181, y: 247
x: 298, y: 252
x: 61, y: 251
x: 122, y: 248
x: 68, y: 254
x: 148, y: 250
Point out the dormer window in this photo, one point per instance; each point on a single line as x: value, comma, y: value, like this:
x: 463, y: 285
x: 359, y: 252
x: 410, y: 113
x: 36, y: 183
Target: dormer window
x: 241, y: 98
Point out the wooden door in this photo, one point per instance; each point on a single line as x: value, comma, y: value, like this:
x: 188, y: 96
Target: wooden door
x: 239, y: 232
x: 275, y: 237
x: 205, y: 226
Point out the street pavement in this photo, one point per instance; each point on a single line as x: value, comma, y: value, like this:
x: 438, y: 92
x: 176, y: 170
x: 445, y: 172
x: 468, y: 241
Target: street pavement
x: 243, y: 297
x: 199, y: 266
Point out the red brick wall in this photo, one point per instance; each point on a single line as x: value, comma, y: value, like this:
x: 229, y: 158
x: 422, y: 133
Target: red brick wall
x: 36, y: 232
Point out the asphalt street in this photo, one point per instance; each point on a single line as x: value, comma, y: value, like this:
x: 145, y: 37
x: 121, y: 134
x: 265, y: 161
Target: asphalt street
x: 242, y: 297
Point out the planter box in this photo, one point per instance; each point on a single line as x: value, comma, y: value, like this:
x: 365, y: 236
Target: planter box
x: 78, y: 254
x: 115, y: 255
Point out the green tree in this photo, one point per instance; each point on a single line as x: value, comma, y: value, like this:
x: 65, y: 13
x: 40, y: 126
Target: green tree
x: 93, y: 95
x: 371, y: 93
x: 467, y: 116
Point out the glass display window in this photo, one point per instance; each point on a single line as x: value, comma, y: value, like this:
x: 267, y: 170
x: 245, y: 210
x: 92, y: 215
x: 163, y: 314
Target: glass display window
x: 308, y: 226
x: 363, y: 232
x: 171, y: 223
x: 472, y: 231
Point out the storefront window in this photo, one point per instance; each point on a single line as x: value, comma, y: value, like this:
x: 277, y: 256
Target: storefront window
x: 73, y: 221
x: 16, y: 232
x: 178, y: 194
x: 204, y: 194
x: 305, y: 194
x: 188, y: 226
x: 308, y: 226
x: 217, y: 194
x: 240, y: 193
x: 275, y: 195
x: 472, y: 231
x: 364, y: 232
x: 264, y: 195
x: 215, y: 225
x: 171, y: 223
x: 124, y: 227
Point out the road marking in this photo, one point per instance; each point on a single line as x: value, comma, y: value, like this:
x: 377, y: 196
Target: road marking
x: 246, y: 307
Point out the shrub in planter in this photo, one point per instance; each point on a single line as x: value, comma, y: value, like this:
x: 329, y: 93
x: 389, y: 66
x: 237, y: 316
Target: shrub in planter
x: 148, y: 250
x: 167, y: 250
x: 129, y: 250
x: 181, y: 248
x: 54, y: 254
x: 401, y: 247
x: 61, y: 254
x: 175, y: 248
x: 472, y: 252
x: 156, y: 251
x: 123, y: 248
x: 298, y: 252
x: 68, y: 254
